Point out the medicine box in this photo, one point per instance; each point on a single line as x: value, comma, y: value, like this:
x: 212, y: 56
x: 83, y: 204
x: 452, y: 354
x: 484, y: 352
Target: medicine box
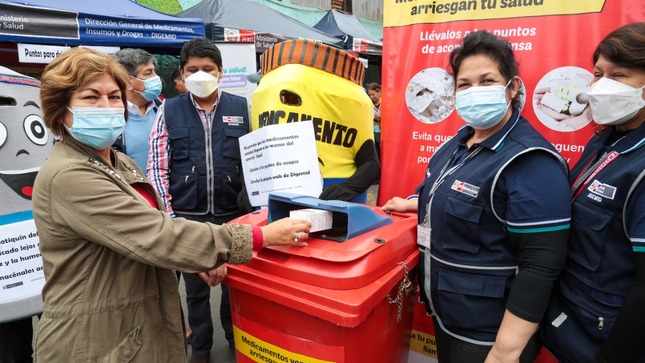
x: 320, y: 219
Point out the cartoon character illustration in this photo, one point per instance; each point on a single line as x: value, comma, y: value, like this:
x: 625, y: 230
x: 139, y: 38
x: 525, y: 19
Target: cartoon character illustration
x: 305, y: 80
x: 24, y: 140
x: 25, y: 143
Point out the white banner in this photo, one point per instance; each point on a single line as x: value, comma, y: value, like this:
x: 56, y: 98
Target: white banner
x: 21, y: 267
x: 283, y: 158
x: 106, y: 50
x: 35, y: 53
x: 238, y: 60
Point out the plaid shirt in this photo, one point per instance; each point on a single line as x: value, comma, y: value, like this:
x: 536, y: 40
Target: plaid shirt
x: 159, y: 150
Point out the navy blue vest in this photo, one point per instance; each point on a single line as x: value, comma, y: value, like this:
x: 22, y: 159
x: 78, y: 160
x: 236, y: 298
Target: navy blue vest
x: 600, y: 269
x: 600, y: 252
x: 472, y: 262
x: 205, y: 168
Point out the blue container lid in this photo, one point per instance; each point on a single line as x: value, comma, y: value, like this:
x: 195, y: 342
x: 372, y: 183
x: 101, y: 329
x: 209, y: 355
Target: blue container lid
x: 349, y: 219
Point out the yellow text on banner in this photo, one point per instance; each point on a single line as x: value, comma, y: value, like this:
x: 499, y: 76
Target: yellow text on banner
x: 260, y: 351
x: 423, y: 343
x: 408, y: 12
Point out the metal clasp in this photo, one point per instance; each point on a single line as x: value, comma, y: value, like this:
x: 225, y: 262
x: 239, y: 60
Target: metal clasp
x: 405, y: 288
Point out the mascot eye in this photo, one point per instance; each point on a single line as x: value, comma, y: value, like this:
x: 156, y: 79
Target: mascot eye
x: 3, y: 134
x: 290, y: 99
x: 35, y: 129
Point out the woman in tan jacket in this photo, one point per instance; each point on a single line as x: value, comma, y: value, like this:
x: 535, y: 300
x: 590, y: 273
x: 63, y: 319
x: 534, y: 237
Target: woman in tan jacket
x: 109, y: 252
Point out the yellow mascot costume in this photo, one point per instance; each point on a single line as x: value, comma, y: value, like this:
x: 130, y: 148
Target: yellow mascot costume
x: 305, y: 80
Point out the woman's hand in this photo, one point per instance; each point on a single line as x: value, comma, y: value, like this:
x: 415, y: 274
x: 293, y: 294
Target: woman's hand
x: 214, y: 276
x: 286, y: 232
x: 398, y: 204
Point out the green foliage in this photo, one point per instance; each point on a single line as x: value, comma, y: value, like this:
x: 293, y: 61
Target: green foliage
x: 171, y: 7
x: 166, y: 65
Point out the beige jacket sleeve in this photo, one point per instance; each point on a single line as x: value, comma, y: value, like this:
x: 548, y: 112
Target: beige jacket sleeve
x: 92, y: 205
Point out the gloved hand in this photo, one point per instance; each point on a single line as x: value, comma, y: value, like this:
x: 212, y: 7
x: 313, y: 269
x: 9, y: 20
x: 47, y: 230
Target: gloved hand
x: 338, y: 192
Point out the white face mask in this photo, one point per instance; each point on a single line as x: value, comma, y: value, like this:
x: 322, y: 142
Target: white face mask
x: 201, y: 84
x: 613, y: 102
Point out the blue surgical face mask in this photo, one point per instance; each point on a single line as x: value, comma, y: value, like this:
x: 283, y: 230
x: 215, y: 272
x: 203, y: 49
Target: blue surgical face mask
x: 482, y: 107
x: 152, y: 89
x: 97, y: 127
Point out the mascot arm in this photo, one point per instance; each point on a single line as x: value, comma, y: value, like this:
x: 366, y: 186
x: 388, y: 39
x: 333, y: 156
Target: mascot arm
x: 368, y: 170
x: 243, y: 203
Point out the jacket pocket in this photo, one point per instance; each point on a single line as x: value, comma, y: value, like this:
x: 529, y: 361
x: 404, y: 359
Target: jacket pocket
x: 231, y: 147
x: 471, y: 301
x: 179, y: 143
x: 578, y: 333
x: 588, y: 230
x: 462, y: 220
x: 184, y: 188
x: 126, y: 349
x: 231, y: 184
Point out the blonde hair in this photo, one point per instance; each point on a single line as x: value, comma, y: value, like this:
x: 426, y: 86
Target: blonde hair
x: 70, y: 71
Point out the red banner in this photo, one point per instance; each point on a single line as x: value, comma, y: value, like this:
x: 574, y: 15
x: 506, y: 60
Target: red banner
x: 553, y: 41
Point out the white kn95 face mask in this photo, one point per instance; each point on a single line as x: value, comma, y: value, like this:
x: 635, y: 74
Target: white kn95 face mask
x: 201, y: 84
x: 613, y: 102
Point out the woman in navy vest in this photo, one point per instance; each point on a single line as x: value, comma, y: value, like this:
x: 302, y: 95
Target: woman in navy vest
x: 597, y: 313
x: 493, y: 213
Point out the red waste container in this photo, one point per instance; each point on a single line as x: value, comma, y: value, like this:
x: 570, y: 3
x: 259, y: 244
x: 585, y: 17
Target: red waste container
x: 346, y: 297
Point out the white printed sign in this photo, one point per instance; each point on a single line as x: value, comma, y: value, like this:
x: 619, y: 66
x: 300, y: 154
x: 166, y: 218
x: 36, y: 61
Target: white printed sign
x: 283, y: 158
x: 35, y: 53
x: 21, y: 267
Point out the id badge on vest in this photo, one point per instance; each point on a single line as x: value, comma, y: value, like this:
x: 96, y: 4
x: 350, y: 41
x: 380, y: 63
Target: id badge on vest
x: 424, y: 230
x: 423, y: 236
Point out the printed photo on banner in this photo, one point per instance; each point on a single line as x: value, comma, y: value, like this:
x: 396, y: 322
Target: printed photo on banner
x: 560, y: 101
x: 430, y: 95
x: 280, y: 157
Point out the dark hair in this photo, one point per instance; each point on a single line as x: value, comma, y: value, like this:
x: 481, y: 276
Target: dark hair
x: 624, y: 46
x: 175, y: 74
x: 132, y: 58
x: 374, y: 87
x: 500, y: 51
x: 200, y: 47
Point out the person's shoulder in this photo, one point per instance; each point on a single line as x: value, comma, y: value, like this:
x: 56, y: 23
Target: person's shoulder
x: 175, y: 99
x: 128, y: 167
x: 526, y: 134
x: 66, y: 164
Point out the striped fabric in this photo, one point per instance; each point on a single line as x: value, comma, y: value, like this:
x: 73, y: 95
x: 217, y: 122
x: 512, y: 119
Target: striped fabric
x: 26, y: 81
x: 314, y: 54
